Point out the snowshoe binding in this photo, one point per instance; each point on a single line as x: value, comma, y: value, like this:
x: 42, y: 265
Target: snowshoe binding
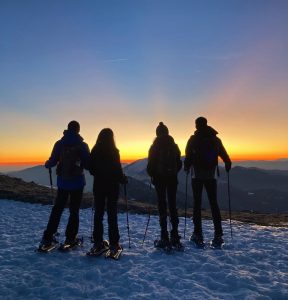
x: 163, y: 244
x: 99, y: 248
x: 47, y: 245
x: 71, y: 244
x: 198, y: 241
x: 114, y: 252
x: 217, y: 242
x: 175, y: 242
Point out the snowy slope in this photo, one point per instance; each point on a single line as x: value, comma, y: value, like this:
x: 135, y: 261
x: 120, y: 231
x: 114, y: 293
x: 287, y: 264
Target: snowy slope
x: 254, y: 266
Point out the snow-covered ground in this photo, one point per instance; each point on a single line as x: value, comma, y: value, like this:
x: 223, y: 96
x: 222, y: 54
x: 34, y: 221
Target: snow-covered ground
x: 252, y: 266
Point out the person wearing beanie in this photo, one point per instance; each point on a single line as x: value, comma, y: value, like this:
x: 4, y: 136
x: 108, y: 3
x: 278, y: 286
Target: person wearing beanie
x: 71, y: 155
x: 202, y: 151
x: 164, y: 163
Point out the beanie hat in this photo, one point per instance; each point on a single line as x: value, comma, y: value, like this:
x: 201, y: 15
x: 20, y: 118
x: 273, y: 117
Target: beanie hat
x: 74, y: 126
x: 201, y: 122
x: 162, y: 129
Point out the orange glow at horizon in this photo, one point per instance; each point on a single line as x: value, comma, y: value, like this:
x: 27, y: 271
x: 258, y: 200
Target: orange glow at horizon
x: 130, y: 159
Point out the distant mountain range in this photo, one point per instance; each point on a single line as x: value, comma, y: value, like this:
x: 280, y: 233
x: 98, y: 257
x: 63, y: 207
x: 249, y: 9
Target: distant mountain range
x: 252, y: 189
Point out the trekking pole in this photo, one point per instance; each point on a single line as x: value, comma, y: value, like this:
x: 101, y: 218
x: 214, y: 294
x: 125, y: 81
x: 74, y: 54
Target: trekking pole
x: 149, y: 213
x: 229, y: 199
x: 51, y: 185
x: 186, y: 196
x: 127, y: 216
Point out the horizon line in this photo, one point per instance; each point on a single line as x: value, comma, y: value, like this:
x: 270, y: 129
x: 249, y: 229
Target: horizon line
x: 9, y: 163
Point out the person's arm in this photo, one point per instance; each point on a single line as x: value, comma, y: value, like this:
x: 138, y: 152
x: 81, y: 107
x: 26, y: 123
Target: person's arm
x: 224, y: 156
x: 85, y: 156
x: 179, y: 161
x: 188, y: 154
x: 150, y: 165
x: 52, y: 161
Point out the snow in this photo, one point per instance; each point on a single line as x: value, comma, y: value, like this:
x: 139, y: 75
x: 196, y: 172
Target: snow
x: 251, y: 266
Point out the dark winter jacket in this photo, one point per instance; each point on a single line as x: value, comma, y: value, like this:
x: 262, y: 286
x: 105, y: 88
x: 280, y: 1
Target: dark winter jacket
x: 70, y: 138
x: 160, y: 144
x: 192, y: 159
x: 105, y: 166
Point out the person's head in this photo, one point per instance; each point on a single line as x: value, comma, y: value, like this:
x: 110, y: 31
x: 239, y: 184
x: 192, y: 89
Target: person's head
x: 106, y: 138
x: 74, y: 126
x: 201, y: 123
x: 162, y: 130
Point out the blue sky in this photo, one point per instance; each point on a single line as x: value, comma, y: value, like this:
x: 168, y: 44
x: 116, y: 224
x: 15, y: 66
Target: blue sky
x: 130, y: 64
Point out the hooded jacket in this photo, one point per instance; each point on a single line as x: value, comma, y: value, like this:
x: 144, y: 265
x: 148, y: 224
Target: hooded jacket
x: 70, y: 138
x: 191, y: 158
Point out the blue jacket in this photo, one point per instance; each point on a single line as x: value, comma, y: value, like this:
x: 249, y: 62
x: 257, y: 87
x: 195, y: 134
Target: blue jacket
x: 70, y: 138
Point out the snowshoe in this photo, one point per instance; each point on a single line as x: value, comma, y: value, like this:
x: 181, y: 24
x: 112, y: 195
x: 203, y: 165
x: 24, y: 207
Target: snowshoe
x: 71, y: 244
x: 114, y: 252
x: 197, y: 240
x: 217, y: 243
x: 98, y: 249
x: 47, y: 245
x: 175, y: 243
x: 163, y: 244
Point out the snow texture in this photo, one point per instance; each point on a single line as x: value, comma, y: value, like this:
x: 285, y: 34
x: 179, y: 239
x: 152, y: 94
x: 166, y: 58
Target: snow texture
x: 251, y: 266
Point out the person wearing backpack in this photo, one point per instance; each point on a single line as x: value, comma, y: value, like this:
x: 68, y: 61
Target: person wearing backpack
x: 164, y: 163
x: 71, y: 155
x: 202, y: 151
x: 106, y: 168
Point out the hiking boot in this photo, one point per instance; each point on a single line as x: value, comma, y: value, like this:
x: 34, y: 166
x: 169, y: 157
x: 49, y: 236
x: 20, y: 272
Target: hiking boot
x: 162, y: 243
x: 100, y: 247
x: 45, y: 243
x: 175, y: 239
x: 197, y: 239
x: 217, y: 241
x: 115, y: 247
x: 71, y: 242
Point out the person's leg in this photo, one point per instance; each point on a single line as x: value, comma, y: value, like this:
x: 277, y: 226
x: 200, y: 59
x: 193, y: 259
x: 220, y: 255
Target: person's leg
x: 99, y: 204
x: 171, y: 195
x: 56, y: 213
x: 197, y: 187
x: 211, y: 188
x: 112, y: 200
x: 73, y: 221
x: 162, y: 208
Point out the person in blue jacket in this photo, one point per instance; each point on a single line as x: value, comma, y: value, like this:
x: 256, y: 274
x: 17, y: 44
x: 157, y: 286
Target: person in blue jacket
x: 71, y: 155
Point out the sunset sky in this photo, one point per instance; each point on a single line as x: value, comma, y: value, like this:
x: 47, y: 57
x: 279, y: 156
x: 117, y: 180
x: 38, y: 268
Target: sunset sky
x: 129, y: 64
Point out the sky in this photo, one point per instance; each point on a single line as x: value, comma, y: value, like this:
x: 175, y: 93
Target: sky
x: 128, y: 65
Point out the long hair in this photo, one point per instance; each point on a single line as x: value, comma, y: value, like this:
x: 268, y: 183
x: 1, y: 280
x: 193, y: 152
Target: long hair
x: 105, y: 140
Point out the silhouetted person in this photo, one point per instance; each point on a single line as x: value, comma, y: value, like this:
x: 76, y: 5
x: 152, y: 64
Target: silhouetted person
x: 164, y: 163
x: 202, y: 151
x: 106, y: 168
x: 71, y: 155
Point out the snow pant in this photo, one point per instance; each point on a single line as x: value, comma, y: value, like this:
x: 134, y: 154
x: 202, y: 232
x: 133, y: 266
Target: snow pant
x: 211, y: 189
x: 101, y: 193
x: 167, y: 188
x: 57, y: 210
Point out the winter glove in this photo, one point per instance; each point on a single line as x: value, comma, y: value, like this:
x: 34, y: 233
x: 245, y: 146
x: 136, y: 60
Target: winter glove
x: 228, y: 166
x: 47, y: 166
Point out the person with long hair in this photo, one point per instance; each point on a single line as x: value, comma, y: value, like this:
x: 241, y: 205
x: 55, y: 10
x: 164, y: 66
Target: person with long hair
x: 106, y: 168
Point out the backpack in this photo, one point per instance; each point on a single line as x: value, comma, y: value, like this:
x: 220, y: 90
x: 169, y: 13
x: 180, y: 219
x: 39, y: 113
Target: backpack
x: 69, y: 165
x: 167, y: 161
x: 206, y: 152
